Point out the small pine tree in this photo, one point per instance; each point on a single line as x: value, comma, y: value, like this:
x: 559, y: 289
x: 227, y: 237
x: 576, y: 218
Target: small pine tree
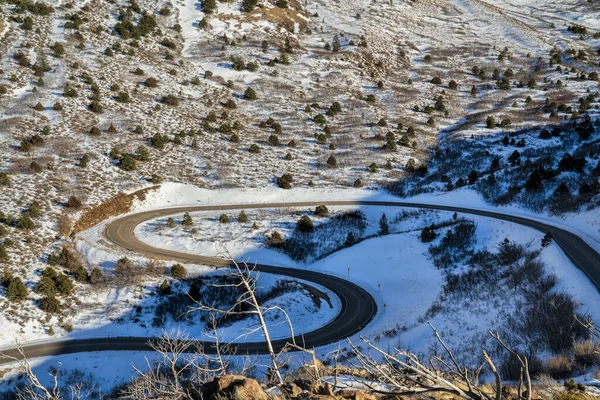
x: 17, y: 290
x: 187, y: 220
x: 331, y: 161
x: 224, y: 219
x: 350, y: 240
x: 428, y: 234
x: 171, y: 222
x: 336, y: 46
x: 546, y: 240
x: 96, y: 276
x: 384, y: 228
x: 243, y: 217
x: 250, y: 94
x: 50, y: 304
x: 164, y: 288
x: 46, y: 286
x: 64, y: 286
x: 305, y: 224
x: 81, y: 275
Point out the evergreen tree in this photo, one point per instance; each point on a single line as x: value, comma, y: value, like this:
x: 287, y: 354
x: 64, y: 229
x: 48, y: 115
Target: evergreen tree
x: 384, y: 228
x: 3, y: 253
x: 243, y: 217
x: 64, y: 285
x: 305, y: 224
x: 96, y: 276
x: 82, y: 275
x: 50, y: 304
x: 224, y: 219
x: 46, y: 286
x: 250, y: 94
x: 546, y: 240
x: 336, y: 44
x: 187, y: 220
x: 165, y: 288
x: 17, y: 290
x: 428, y: 234
x: 171, y: 222
x: 209, y: 6
x: 350, y: 240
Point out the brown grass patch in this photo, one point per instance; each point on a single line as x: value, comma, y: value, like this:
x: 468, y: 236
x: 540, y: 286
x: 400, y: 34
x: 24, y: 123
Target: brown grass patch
x: 116, y: 205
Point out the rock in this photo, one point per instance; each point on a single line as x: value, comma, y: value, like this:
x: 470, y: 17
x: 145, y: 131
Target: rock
x: 309, y: 385
x: 327, y: 389
x: 237, y: 387
x: 358, y: 395
x: 293, y: 390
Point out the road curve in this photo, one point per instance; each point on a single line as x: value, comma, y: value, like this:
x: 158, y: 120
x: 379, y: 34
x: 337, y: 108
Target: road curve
x: 357, y: 305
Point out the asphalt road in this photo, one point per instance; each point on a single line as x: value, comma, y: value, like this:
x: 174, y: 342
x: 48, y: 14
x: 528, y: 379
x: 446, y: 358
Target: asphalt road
x: 357, y: 305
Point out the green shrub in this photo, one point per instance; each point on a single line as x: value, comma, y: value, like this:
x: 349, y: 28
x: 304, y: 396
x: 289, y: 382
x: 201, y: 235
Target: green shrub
x: 322, y: 211
x: 50, y: 304
x: 305, y: 224
x: 178, y: 271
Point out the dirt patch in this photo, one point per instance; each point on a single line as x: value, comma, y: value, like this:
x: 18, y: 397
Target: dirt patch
x: 116, y: 205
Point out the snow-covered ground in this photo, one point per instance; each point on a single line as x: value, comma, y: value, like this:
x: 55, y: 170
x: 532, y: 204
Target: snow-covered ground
x: 397, y: 269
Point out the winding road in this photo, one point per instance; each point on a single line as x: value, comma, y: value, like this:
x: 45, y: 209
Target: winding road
x: 357, y: 306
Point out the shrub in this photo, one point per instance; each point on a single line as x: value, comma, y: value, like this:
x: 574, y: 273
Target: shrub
x: 4, y: 179
x: 164, y: 288
x: 159, y: 141
x: 331, y: 161
x: 127, y: 163
x: 254, y: 149
x: 428, y: 234
x: 170, y: 100
x: 39, y: 107
x: 586, y: 353
x: 436, y: 81
x: 187, y: 220
x: 285, y: 181
x: 123, y: 97
x: 305, y: 224
x: 25, y: 222
x: 250, y: 94
x: 242, y: 217
x: 178, y: 271
x: 46, y: 286
x: 358, y: 183
x: 17, y: 291
x: 560, y: 367
x: 74, y: 202
x: 64, y: 286
x: 151, y: 82
x: 230, y: 104
x: 274, y: 140
x: 81, y: 275
x: 322, y: 211
x: 96, y: 276
x: 274, y: 240
x: 224, y: 219
x: 50, y: 304
x: 373, y: 168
